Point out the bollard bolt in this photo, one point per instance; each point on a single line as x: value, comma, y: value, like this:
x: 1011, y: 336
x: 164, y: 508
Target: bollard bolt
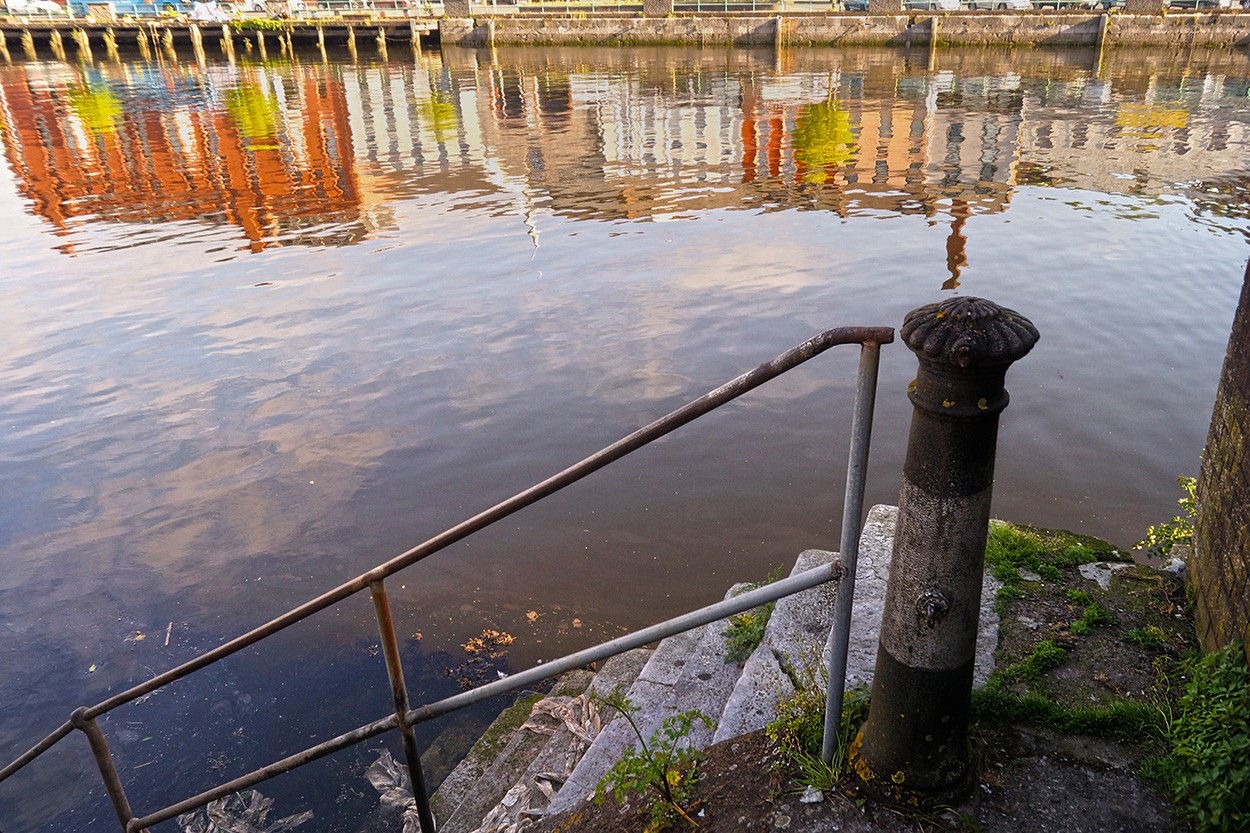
x: 913, y: 749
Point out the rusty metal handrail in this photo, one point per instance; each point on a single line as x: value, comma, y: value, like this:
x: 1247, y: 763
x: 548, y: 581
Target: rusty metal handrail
x: 596, y: 653
x: 84, y: 719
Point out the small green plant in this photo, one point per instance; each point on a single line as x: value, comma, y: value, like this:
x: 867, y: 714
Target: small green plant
x: 1160, y: 539
x: 1207, y: 767
x: 798, y: 733
x: 1150, y: 638
x: 746, y: 629
x: 1050, y: 573
x: 1078, y: 597
x: 1092, y: 615
x: 663, y: 769
x: 1045, y: 655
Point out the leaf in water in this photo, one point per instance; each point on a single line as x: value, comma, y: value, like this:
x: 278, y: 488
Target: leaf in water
x: 245, y: 812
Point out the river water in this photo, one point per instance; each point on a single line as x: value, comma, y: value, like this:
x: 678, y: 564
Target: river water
x: 267, y: 324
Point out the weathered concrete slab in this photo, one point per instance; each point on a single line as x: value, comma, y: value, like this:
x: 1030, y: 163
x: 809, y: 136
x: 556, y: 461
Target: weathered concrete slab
x: 496, y: 761
x: 789, y: 654
x: 669, y: 660
x: 688, y: 671
x: 794, y: 641
x: 754, y: 700
x: 530, y: 793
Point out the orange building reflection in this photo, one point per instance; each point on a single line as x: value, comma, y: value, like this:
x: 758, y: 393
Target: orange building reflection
x: 173, y: 144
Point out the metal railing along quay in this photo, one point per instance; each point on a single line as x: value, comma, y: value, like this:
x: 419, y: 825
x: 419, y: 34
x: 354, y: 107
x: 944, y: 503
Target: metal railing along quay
x: 404, y: 717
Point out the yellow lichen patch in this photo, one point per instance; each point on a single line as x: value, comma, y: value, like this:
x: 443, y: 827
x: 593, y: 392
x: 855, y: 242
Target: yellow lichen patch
x: 899, y: 777
x: 940, y: 315
x: 982, y: 404
x: 948, y: 403
x: 531, y: 615
x: 912, y: 385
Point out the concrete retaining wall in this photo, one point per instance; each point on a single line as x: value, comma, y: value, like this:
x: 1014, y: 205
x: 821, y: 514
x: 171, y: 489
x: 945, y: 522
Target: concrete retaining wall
x: 1034, y: 29
x: 1220, y: 563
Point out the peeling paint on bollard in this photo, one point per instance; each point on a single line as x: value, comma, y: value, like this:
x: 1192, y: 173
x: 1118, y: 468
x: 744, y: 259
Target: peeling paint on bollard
x: 913, y: 749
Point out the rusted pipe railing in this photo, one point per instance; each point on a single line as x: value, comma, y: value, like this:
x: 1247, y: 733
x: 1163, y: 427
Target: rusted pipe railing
x: 598, y: 653
x: 399, y: 695
x: 870, y: 339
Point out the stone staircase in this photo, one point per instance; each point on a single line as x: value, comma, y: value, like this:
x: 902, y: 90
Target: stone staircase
x: 560, y: 753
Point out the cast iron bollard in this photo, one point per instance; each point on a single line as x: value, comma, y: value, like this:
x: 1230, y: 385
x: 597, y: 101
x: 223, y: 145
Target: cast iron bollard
x: 913, y: 749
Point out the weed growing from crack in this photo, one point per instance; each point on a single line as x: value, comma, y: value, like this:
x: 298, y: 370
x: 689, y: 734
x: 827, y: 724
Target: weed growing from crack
x: 1150, y: 638
x: 1125, y: 720
x: 1093, y: 615
x: 746, y: 629
x: 798, y: 733
x: 1160, y: 539
x: 662, y: 770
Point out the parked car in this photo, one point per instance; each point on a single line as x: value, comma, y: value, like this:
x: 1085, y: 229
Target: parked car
x: 911, y: 5
x: 1015, y: 5
x: 32, y: 8
x: 1200, y: 4
x: 1077, y: 4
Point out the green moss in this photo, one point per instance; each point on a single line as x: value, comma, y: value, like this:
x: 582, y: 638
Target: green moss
x: 1045, y: 655
x: 497, y: 735
x: 1011, y: 548
x: 1078, y: 597
x: 1126, y: 721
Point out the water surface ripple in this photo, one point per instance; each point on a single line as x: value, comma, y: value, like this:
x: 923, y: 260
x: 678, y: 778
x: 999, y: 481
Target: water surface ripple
x: 266, y: 324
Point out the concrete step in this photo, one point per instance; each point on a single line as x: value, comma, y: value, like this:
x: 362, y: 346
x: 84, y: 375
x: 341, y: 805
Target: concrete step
x: 502, y: 754
x: 688, y: 671
x: 580, y: 723
x: 792, y: 651
x: 788, y: 656
x: 509, y: 747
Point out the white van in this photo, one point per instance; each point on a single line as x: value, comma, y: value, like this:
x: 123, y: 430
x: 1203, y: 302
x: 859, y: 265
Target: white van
x: 32, y: 8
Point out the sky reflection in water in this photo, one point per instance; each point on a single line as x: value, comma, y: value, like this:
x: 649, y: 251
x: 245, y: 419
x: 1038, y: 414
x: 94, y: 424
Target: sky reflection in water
x: 266, y: 325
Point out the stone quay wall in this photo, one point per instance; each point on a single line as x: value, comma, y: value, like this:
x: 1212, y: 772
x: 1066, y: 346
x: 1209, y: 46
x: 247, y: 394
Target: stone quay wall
x: 1225, y: 29
x: 1220, y: 561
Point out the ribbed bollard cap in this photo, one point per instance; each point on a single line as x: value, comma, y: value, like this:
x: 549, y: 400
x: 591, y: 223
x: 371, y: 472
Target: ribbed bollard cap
x: 968, y: 332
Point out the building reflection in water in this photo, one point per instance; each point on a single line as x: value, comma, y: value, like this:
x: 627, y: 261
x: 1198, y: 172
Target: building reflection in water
x: 321, y: 154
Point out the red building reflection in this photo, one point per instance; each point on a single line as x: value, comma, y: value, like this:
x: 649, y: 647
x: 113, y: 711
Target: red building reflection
x: 176, y: 145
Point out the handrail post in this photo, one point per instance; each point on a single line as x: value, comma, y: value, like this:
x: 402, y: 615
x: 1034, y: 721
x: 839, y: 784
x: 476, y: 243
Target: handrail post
x: 913, y: 749
x: 852, y: 517
x: 399, y: 696
x: 104, y: 760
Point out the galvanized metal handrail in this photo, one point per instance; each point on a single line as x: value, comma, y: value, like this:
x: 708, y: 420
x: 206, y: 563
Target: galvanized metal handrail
x: 869, y: 338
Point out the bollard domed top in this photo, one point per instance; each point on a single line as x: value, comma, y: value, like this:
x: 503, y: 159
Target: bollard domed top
x: 968, y: 332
